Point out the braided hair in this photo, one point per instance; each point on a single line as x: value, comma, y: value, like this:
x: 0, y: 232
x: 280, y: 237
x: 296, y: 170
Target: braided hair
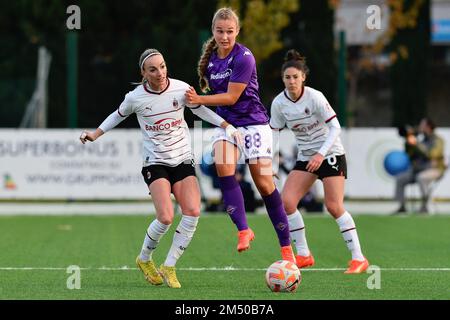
x: 210, y: 45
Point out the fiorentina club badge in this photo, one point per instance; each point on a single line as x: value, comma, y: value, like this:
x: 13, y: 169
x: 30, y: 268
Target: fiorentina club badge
x: 175, y: 103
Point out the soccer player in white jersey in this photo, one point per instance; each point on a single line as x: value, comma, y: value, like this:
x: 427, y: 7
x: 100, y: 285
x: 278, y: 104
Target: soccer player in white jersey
x: 168, y: 167
x: 307, y: 113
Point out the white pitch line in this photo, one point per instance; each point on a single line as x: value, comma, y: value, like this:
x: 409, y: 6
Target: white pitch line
x: 230, y: 268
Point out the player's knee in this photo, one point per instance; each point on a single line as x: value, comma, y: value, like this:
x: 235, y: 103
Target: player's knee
x: 334, y: 207
x: 224, y: 169
x: 288, y: 203
x: 266, y: 188
x: 192, y: 211
x: 165, y: 220
x: 165, y: 217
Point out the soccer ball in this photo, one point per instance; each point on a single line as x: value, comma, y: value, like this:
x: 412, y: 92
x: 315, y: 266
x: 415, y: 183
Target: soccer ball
x: 283, y: 276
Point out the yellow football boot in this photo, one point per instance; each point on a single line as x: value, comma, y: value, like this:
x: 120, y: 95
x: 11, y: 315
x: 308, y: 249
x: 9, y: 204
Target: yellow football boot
x: 170, y: 276
x: 150, y: 272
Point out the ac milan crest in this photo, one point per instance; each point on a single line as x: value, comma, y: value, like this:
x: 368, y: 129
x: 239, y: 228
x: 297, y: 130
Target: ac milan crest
x: 175, y: 103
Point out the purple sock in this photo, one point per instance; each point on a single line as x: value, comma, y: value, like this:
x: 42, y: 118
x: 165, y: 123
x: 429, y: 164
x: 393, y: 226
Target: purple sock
x: 278, y: 217
x: 234, y: 201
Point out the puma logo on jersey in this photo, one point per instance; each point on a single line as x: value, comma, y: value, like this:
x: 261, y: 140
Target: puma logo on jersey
x: 247, y: 53
x: 336, y: 167
x: 210, y: 65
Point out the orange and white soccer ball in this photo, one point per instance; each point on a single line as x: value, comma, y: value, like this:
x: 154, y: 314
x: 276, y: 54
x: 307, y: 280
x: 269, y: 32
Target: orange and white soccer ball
x: 283, y: 276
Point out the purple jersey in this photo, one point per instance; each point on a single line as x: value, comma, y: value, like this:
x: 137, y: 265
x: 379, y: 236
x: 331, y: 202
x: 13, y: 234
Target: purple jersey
x: 239, y: 66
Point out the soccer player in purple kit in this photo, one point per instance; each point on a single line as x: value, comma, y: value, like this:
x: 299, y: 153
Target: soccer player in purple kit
x: 227, y: 70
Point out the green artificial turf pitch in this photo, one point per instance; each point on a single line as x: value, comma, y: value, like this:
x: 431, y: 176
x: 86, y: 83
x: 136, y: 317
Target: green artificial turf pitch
x: 413, y: 254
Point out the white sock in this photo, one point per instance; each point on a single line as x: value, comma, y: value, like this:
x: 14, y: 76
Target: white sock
x: 348, y: 230
x: 154, y: 233
x: 181, y: 239
x: 297, y: 232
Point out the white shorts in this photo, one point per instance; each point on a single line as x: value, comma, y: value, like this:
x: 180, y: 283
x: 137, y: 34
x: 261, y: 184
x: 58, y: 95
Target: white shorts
x: 257, y: 141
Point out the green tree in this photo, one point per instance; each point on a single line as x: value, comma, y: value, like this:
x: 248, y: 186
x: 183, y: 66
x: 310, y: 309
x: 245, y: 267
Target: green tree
x: 311, y: 33
x: 261, y: 24
x: 410, y: 55
x: 407, y: 42
x: 24, y: 26
x: 113, y: 34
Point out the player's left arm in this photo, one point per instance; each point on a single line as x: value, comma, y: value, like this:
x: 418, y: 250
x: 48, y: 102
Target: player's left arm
x: 210, y: 116
x: 334, y: 131
x: 327, y: 114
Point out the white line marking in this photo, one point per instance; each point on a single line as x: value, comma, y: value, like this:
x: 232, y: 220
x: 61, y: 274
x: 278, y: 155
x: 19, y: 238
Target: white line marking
x: 229, y: 268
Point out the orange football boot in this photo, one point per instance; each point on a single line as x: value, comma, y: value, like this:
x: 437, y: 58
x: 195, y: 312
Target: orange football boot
x: 356, y: 266
x: 287, y: 254
x: 304, y: 261
x: 244, y: 238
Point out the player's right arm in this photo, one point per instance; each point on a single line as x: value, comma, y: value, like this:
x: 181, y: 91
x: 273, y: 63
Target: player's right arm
x: 124, y: 110
x: 277, y: 119
x: 90, y: 136
x: 244, y: 64
x: 228, y: 98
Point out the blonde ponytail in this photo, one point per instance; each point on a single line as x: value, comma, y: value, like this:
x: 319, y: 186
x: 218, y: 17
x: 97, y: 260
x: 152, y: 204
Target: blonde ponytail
x: 210, y: 45
x: 208, y: 48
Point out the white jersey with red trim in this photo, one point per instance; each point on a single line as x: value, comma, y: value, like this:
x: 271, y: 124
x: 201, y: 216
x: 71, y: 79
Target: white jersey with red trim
x: 161, y: 117
x: 307, y: 118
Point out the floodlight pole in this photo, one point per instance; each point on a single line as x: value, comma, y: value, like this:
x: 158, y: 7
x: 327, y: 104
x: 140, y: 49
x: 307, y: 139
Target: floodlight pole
x: 72, y: 78
x: 342, y: 81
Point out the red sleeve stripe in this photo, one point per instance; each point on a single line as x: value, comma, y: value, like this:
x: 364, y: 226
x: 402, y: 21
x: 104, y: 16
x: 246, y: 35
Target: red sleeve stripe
x: 330, y: 119
x: 118, y: 111
x: 158, y: 114
x: 279, y: 129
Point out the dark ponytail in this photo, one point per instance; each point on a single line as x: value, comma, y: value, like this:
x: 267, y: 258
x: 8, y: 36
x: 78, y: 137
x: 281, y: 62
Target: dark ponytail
x: 293, y: 59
